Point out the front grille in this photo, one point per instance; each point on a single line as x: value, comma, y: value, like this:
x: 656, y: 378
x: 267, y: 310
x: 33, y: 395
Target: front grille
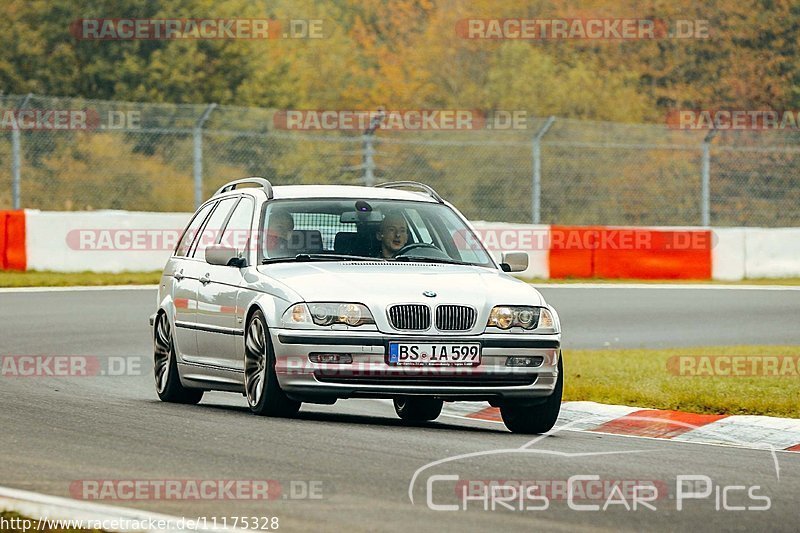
x: 410, y: 317
x: 429, y: 380
x: 455, y: 318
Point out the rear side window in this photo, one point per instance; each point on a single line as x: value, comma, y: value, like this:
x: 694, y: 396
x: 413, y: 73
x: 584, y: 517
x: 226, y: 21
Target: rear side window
x: 191, y: 230
x: 211, y: 231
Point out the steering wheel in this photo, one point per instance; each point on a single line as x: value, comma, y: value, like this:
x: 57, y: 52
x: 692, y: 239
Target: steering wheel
x: 413, y: 246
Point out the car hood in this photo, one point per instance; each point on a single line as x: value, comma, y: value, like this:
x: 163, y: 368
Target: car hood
x: 384, y: 283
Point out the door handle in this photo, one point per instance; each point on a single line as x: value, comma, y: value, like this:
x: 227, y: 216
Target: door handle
x: 205, y: 279
x: 179, y: 275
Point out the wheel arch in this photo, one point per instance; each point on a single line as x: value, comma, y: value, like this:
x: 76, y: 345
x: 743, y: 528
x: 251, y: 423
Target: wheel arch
x: 167, y: 308
x: 267, y: 307
x: 271, y: 309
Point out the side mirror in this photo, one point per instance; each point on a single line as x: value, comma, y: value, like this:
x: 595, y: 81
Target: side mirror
x: 514, y: 261
x: 225, y: 256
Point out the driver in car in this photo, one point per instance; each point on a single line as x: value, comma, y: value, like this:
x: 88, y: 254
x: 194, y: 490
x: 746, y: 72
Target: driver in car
x: 393, y: 234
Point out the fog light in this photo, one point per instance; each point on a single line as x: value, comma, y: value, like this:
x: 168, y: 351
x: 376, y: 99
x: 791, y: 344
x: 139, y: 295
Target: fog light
x: 335, y: 358
x: 525, y: 361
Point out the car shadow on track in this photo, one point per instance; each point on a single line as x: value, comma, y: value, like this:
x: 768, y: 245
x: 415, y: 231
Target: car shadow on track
x: 391, y: 422
x: 342, y: 418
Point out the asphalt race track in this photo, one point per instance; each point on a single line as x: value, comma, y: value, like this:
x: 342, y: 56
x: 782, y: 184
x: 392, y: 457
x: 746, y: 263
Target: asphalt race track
x: 664, y: 317
x: 355, y: 458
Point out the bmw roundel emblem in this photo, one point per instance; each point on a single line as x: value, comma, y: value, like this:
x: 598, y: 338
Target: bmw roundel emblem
x: 429, y: 294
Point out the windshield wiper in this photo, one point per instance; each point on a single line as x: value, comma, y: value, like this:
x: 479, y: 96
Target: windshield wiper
x: 421, y: 259
x: 304, y: 258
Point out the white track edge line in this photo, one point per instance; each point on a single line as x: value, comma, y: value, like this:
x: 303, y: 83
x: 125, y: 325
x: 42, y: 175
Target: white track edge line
x: 36, y: 506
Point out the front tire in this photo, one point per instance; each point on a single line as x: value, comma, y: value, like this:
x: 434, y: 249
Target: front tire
x: 418, y: 409
x: 165, y: 367
x: 263, y: 392
x: 537, y: 418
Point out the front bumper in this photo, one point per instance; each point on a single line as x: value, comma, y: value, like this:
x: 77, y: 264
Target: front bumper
x: 370, y: 375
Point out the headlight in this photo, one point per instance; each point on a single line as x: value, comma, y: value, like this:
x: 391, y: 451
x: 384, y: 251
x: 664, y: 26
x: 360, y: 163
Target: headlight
x: 502, y: 317
x: 539, y: 319
x: 327, y: 314
x: 506, y: 317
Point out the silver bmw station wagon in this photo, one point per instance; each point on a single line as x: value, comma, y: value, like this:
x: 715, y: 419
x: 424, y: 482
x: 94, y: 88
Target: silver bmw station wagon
x: 307, y: 293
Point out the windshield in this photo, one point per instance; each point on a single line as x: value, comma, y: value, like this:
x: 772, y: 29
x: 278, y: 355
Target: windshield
x: 392, y: 230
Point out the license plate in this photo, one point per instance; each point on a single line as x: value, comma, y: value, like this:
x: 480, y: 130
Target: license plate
x: 434, y: 354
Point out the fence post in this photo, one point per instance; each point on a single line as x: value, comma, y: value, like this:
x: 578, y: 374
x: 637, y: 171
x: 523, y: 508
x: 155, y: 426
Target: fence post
x: 369, y: 161
x: 369, y: 150
x: 536, y: 192
x: 198, y: 156
x: 705, y: 186
x: 16, y: 159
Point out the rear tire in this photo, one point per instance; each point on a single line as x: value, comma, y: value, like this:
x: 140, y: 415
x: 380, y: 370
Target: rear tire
x: 165, y: 367
x: 537, y: 418
x: 418, y: 409
x: 262, y: 390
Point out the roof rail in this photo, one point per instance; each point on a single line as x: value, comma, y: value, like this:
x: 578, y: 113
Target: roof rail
x: 427, y: 188
x: 230, y: 186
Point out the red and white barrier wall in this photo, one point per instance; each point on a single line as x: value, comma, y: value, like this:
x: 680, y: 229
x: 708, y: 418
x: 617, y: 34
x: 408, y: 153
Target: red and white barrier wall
x: 117, y: 241
x: 97, y: 241
x: 559, y: 252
